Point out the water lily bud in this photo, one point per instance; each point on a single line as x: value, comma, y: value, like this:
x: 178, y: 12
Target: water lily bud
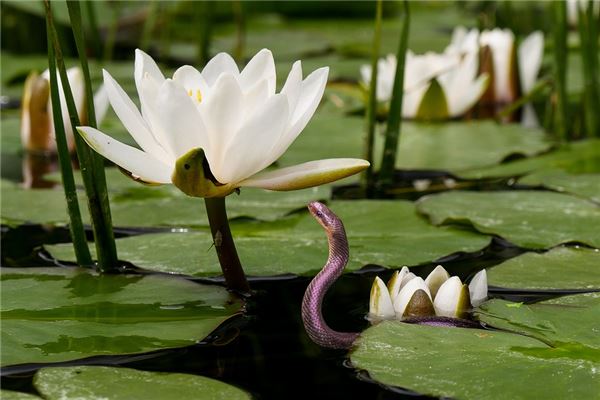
x: 406, y: 293
x: 420, y: 305
x: 395, y: 283
x: 478, y: 288
x: 37, y: 120
x: 380, y: 303
x: 435, y: 279
x: 452, y: 299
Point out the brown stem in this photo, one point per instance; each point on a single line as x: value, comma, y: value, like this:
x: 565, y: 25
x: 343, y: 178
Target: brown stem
x: 235, y: 279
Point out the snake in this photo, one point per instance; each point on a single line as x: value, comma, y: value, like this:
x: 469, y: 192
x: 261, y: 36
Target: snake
x: 339, y: 254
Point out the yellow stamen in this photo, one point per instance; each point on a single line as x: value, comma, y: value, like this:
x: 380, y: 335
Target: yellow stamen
x: 198, y: 96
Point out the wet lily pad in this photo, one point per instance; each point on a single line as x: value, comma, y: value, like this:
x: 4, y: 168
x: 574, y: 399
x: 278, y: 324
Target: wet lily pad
x: 576, y: 157
x: 12, y: 395
x: 568, y: 324
x: 584, y: 185
x: 559, y: 268
x: 60, y: 314
x: 530, y: 219
x: 388, y: 233
x: 70, y: 383
x: 475, y: 364
x: 455, y: 146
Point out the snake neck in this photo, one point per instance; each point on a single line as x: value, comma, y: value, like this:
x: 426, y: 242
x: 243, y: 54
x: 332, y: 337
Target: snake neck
x: 312, y: 304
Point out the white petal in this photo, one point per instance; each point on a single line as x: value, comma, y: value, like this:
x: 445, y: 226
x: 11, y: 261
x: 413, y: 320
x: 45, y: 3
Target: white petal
x: 436, y: 278
x: 478, y: 288
x: 248, y: 152
x: 395, y: 282
x: 311, y: 93
x: 193, y: 82
x: 407, y: 278
x: 222, y: 113
x: 531, y: 52
x: 411, y: 100
x: 220, y: 64
x: 401, y: 301
x: 255, y: 97
x: 132, y: 120
x: 306, y: 175
x: 180, y: 120
x: 293, y: 85
x: 446, y: 301
x: 365, y: 73
x: 380, y: 303
x: 140, y: 164
x: 501, y: 43
x: 529, y: 118
x: 260, y: 67
x: 459, y: 102
x: 101, y: 103
x: 146, y: 68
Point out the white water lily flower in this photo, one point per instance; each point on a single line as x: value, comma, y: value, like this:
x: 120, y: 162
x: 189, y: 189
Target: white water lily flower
x: 439, y: 294
x: 573, y: 12
x: 436, y: 86
x: 37, y: 120
x: 214, y: 131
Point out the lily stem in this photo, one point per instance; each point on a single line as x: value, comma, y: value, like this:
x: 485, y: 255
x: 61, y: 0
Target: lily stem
x: 560, y: 69
x: 234, y: 275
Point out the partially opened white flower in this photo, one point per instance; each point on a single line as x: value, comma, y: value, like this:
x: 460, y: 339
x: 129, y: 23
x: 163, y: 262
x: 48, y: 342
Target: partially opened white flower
x: 37, y: 120
x: 436, y: 85
x: 439, y: 294
x: 213, y: 131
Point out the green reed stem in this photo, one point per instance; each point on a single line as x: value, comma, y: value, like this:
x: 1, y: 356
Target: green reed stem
x: 589, y: 53
x: 392, y: 133
x: 234, y: 275
x: 240, y: 30
x: 560, y: 69
x: 149, y: 24
x: 371, y: 113
x: 92, y: 168
x: 82, y: 251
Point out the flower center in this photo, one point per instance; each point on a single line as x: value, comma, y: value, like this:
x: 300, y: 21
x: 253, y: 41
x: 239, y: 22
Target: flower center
x: 190, y: 93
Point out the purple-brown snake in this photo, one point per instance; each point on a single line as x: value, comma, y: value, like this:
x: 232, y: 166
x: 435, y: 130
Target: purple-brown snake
x: 312, y: 315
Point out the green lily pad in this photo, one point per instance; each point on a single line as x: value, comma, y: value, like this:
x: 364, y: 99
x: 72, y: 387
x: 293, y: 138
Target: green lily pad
x: 559, y: 268
x: 568, y: 324
x: 584, y: 185
x: 85, y: 382
x: 61, y: 314
x: 11, y: 395
x: 456, y: 146
x: 530, y: 219
x: 388, y: 233
x: 476, y: 364
x: 576, y: 157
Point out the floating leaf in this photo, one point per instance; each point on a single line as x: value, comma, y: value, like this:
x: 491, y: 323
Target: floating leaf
x: 576, y: 157
x: 388, y: 233
x: 84, y: 382
x: 531, y: 219
x: 60, y: 314
x: 559, y: 268
x: 476, y: 364
x: 584, y: 185
x: 11, y: 395
x: 568, y: 324
x: 456, y: 146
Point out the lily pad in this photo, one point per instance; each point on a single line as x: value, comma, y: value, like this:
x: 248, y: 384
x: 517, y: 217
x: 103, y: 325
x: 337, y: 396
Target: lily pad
x: 61, y: 314
x: 584, y: 185
x: 85, y: 382
x: 559, y: 268
x: 388, y: 233
x: 475, y: 364
x: 576, y: 157
x: 569, y: 325
x: 11, y: 395
x: 530, y: 219
x: 455, y: 146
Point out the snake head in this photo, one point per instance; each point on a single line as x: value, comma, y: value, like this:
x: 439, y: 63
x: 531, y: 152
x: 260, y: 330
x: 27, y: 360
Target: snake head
x: 324, y: 215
